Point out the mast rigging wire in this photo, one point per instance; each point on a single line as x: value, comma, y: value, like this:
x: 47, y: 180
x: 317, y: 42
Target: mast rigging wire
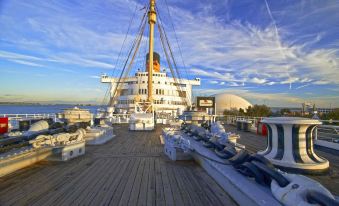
x: 176, y: 37
x: 134, y: 49
x: 136, y: 42
x: 116, y: 62
x: 165, y: 44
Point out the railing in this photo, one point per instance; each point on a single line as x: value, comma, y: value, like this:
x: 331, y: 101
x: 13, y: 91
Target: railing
x: 325, y: 135
x: 28, y: 116
x: 119, y: 118
x: 328, y: 133
x: 13, y: 119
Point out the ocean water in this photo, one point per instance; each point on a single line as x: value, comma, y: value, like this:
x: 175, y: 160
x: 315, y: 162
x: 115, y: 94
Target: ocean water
x: 40, y: 109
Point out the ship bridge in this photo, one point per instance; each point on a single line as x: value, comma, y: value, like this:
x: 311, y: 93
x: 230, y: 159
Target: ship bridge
x: 169, y: 94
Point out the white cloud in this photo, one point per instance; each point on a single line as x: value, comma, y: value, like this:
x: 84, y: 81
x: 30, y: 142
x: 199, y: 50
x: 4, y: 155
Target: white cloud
x: 21, y: 58
x: 64, y: 58
x: 234, y: 84
x: 94, y: 77
x: 258, y: 81
x: 26, y: 63
x: 213, y: 82
x: 271, y: 83
x: 255, y: 54
x: 302, y: 86
x: 79, y: 60
x: 12, y: 55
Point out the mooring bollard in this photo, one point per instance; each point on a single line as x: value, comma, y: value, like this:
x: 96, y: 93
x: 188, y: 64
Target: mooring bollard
x: 290, y: 145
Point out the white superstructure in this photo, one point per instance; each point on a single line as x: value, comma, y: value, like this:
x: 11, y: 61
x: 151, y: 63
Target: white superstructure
x: 169, y: 95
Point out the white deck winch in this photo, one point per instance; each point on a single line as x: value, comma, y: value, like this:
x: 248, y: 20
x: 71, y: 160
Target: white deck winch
x: 290, y: 144
x: 143, y: 118
x: 141, y: 121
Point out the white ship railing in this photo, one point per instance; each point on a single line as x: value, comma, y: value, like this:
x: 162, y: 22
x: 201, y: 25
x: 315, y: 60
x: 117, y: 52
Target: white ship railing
x: 325, y: 135
x: 119, y: 118
x: 28, y: 116
x: 14, y: 119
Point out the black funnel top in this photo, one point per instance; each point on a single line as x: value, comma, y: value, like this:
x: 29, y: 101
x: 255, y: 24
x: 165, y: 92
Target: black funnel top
x: 156, y: 56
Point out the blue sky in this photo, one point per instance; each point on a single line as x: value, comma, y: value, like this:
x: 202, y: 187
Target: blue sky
x: 277, y: 52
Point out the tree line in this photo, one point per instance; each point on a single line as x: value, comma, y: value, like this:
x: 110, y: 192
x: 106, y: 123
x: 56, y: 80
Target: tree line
x: 252, y: 111
x: 265, y: 111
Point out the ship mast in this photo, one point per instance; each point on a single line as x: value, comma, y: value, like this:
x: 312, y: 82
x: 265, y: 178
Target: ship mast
x: 152, y: 18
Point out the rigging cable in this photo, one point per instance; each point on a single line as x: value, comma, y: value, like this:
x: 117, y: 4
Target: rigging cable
x: 117, y: 60
x: 176, y: 37
x: 163, y: 33
x: 141, y: 27
x: 169, y: 61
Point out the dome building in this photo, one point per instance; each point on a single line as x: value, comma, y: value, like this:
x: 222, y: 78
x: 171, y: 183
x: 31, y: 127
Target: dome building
x: 226, y: 101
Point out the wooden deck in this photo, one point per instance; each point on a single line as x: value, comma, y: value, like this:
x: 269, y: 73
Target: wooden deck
x: 129, y: 170
x: 256, y: 143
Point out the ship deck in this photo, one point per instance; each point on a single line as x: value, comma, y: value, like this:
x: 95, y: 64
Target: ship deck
x: 254, y: 143
x: 131, y: 169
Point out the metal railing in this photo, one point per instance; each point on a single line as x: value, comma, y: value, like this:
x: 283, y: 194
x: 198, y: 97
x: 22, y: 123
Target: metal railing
x: 13, y: 119
x: 328, y: 133
x: 119, y: 118
x: 29, y: 116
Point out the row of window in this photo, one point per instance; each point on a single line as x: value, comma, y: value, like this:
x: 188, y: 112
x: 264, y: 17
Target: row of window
x: 155, y: 102
x: 170, y: 83
x: 126, y: 102
x: 146, y: 75
x: 160, y: 91
x: 142, y: 91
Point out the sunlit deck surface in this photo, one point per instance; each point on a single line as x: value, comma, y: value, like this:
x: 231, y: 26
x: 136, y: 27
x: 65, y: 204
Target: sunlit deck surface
x: 256, y: 143
x: 129, y: 170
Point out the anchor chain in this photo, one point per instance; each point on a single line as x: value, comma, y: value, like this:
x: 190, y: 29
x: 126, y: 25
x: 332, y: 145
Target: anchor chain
x: 289, y: 189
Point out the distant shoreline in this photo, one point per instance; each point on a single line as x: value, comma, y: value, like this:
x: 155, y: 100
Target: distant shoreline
x: 43, y: 104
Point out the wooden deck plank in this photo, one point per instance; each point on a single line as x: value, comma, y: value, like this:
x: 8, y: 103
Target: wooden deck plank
x: 47, y: 183
x: 85, y: 196
x: 217, y: 193
x: 168, y: 195
x: 115, y: 199
x: 197, y: 193
x: 142, y: 199
x: 67, y: 189
x: 67, y: 197
x: 192, y: 192
x: 99, y: 193
x: 113, y: 186
x: 133, y: 200
x: 129, y: 184
x: 151, y: 184
x: 175, y: 187
x: 129, y: 170
x: 159, y: 186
